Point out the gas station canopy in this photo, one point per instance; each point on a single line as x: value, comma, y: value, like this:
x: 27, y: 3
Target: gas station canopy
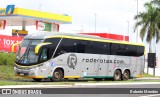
x: 20, y: 16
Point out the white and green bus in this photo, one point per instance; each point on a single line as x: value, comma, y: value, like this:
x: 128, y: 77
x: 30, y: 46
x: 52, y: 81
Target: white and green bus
x: 59, y: 56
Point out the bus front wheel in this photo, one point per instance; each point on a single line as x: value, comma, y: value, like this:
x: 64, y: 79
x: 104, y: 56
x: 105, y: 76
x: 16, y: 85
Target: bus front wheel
x: 57, y: 75
x: 117, y: 75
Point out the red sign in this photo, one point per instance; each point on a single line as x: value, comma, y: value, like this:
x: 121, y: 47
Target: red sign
x: 7, y: 42
x: 109, y: 36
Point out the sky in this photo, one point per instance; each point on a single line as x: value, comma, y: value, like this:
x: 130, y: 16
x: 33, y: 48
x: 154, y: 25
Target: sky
x: 110, y: 16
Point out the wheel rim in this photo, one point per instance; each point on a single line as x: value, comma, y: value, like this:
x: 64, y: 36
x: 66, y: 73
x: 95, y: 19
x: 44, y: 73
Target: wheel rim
x: 117, y: 76
x: 57, y: 75
x: 125, y: 75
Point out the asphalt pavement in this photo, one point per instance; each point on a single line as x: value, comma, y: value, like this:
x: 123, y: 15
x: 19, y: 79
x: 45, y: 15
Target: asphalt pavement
x: 128, y: 89
x: 138, y: 81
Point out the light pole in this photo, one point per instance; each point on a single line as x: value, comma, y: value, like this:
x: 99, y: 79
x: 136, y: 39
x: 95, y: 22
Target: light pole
x: 127, y: 31
x: 82, y: 28
x: 128, y: 28
x: 95, y: 21
x: 40, y: 5
x: 137, y: 22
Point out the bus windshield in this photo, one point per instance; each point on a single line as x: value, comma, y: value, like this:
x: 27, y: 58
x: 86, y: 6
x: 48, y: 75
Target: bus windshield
x: 26, y: 55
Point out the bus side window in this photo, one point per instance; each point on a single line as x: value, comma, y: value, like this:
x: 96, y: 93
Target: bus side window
x: 50, y: 53
x: 121, y: 50
x: 98, y: 48
x: 44, y: 54
x: 140, y: 50
x: 131, y: 50
x: 107, y: 48
x: 81, y: 46
x: 114, y: 49
x: 66, y: 46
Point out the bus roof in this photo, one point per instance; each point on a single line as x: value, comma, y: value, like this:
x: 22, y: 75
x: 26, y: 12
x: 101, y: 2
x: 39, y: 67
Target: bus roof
x: 45, y: 35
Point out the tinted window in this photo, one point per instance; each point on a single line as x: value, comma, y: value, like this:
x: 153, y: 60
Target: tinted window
x: 53, y: 46
x: 131, y: 50
x: 121, y: 50
x: 114, y: 49
x: 82, y: 46
x: 99, y: 48
x: 67, y: 46
x: 44, y: 55
x: 126, y: 50
x: 140, y: 50
x: 93, y: 47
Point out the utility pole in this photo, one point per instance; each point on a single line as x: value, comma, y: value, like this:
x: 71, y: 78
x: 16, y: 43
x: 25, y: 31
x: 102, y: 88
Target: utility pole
x: 137, y: 22
x: 40, y: 5
x: 95, y: 21
x: 127, y: 29
x: 82, y: 28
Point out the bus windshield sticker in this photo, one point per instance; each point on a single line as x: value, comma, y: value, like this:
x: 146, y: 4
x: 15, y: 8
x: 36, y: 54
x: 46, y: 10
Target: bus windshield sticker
x: 52, y: 64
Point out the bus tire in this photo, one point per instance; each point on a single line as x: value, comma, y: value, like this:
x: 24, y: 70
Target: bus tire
x: 117, y: 75
x: 98, y: 79
x: 57, y: 75
x: 37, y: 79
x: 126, y: 75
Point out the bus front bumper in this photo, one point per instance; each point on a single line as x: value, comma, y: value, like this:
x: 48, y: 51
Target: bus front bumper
x: 28, y: 73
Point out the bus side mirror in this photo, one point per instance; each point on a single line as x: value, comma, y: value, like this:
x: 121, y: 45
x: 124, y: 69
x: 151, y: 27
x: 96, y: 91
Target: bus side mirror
x: 14, y: 46
x: 39, y: 46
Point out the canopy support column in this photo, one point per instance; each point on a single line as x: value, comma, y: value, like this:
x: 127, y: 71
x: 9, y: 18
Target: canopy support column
x: 23, y: 25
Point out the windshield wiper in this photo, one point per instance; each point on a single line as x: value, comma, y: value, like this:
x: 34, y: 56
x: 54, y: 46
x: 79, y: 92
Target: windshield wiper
x: 22, y: 58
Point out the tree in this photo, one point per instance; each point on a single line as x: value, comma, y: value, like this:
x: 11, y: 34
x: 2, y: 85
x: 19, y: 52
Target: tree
x: 150, y: 23
x: 156, y: 2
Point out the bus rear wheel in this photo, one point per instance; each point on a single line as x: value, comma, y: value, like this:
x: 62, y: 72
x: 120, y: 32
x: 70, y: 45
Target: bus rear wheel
x: 117, y: 75
x: 126, y: 75
x: 57, y: 75
x: 37, y: 79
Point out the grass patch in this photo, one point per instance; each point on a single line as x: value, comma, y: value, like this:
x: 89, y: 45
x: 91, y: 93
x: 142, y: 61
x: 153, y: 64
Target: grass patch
x: 7, y: 73
x: 7, y: 58
x: 4, y: 82
x: 147, y: 75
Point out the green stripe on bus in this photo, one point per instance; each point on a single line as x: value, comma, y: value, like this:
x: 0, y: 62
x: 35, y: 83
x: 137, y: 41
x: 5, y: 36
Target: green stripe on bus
x: 132, y: 77
x: 49, y: 76
x: 98, y: 76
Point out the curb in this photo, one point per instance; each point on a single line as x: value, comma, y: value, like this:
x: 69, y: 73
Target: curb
x: 36, y: 86
x: 77, y: 85
x: 148, y: 78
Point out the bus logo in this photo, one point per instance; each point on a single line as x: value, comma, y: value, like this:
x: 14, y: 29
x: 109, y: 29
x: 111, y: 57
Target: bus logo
x: 72, y: 60
x: 9, y: 9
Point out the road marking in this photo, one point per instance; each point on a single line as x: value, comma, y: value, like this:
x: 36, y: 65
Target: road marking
x: 132, y: 83
x: 150, y: 95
